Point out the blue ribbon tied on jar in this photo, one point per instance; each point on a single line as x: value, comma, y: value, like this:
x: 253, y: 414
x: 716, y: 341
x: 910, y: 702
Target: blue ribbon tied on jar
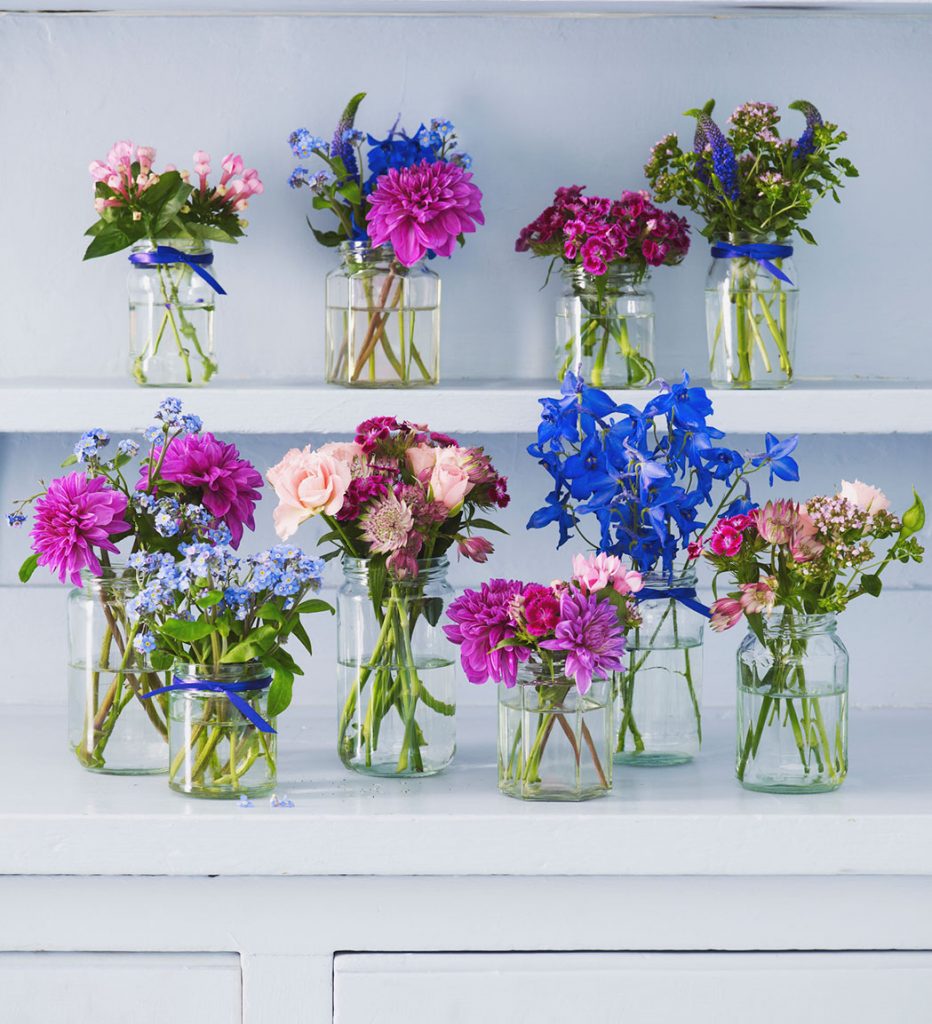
x: 163, y: 254
x: 763, y: 253
x: 231, y: 691
x: 685, y: 595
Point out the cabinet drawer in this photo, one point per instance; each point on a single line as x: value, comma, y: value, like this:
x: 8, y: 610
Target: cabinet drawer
x: 648, y: 988
x: 119, y: 988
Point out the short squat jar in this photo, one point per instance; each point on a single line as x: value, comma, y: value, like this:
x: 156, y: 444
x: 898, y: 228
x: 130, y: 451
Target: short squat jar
x: 395, y: 670
x: 793, y: 706
x: 217, y: 751
x: 751, y: 313
x: 383, y: 320
x: 111, y: 728
x: 554, y: 743
x: 605, y: 327
x: 658, y: 696
x: 171, y: 315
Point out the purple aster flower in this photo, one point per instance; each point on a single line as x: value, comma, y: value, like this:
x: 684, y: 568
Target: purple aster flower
x: 589, y: 633
x: 75, y: 516
x: 482, y: 620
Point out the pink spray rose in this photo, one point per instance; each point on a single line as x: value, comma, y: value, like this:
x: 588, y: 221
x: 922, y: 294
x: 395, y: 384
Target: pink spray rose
x: 867, y: 498
x: 307, y: 483
x: 449, y: 472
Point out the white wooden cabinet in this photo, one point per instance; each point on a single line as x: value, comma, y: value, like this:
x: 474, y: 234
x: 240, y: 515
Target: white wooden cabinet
x: 650, y: 988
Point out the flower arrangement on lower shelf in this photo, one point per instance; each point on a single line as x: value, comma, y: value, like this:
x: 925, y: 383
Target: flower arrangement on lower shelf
x: 794, y: 567
x: 394, y: 500
x: 554, y: 649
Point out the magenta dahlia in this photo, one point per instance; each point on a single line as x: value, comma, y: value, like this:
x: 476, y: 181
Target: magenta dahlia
x: 74, y: 516
x: 589, y: 633
x: 482, y: 620
x: 427, y: 206
x: 226, y: 484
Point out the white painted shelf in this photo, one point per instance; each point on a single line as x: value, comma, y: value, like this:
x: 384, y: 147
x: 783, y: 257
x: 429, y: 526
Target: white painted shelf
x: 288, y: 407
x: 56, y: 819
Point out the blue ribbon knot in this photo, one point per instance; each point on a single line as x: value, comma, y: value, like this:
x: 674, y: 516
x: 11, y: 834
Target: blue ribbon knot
x: 169, y: 254
x: 760, y: 252
x: 685, y: 595
x: 229, y: 690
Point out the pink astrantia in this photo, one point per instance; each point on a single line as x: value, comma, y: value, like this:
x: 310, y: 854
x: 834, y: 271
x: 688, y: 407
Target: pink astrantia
x: 76, y: 515
x: 226, y: 484
x: 424, y: 207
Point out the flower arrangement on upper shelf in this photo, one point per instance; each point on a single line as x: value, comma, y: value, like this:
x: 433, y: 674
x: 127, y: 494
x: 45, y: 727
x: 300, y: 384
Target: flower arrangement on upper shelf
x: 554, y: 648
x: 417, y: 200
x: 394, y: 501
x: 753, y: 189
x: 643, y: 476
x: 170, y: 222
x: 606, y: 249
x: 794, y: 567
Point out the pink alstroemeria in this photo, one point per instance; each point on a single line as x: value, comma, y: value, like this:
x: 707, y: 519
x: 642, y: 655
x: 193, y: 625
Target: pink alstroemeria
x: 726, y: 612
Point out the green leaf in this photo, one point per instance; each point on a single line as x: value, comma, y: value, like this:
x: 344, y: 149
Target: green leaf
x: 110, y: 240
x: 377, y: 575
x: 872, y: 585
x: 805, y: 235
x: 28, y: 568
x: 331, y: 239
x: 160, y: 661
x: 256, y: 644
x: 914, y: 518
x: 280, y: 690
x: 350, y: 192
x: 269, y: 612
x: 186, y: 632
x: 301, y: 633
x: 70, y: 461
x: 211, y: 598
x: 208, y: 232
x: 433, y: 609
x: 315, y: 605
x: 173, y: 204
x: 486, y: 524
x: 167, y: 185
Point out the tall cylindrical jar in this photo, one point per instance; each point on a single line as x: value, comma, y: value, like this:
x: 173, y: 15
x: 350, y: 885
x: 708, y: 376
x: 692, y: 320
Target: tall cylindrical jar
x: 658, y: 696
x: 395, y: 671
x: 554, y: 743
x: 793, y: 705
x: 222, y: 738
x: 382, y: 320
x: 605, y: 326
x: 751, y: 297
x: 171, y: 313
x: 111, y: 729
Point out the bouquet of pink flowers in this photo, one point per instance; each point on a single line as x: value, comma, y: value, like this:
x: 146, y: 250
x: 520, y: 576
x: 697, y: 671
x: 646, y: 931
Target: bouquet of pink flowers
x: 550, y: 639
x: 395, y: 500
x: 794, y: 567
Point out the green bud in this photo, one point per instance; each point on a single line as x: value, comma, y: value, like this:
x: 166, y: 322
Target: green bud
x: 914, y: 518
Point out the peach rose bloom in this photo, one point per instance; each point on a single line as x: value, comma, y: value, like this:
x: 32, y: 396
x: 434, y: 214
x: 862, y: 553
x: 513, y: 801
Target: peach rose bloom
x: 449, y: 481
x: 344, y: 451
x: 307, y: 483
x: 421, y: 458
x: 869, y: 499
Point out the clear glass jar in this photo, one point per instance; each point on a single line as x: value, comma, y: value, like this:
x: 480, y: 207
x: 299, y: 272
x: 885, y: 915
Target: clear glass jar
x: 383, y: 320
x: 171, y: 319
x: 215, y: 750
x: 751, y: 318
x: 658, y: 696
x: 554, y: 743
x: 111, y: 729
x: 605, y: 327
x: 793, y: 706
x: 395, y: 670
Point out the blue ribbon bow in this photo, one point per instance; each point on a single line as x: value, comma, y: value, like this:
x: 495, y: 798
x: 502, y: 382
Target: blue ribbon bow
x: 760, y: 252
x: 230, y: 690
x: 169, y: 254
x: 685, y: 595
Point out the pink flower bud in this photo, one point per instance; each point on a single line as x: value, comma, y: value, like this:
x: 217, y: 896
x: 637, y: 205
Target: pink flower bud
x: 477, y: 549
x: 146, y: 157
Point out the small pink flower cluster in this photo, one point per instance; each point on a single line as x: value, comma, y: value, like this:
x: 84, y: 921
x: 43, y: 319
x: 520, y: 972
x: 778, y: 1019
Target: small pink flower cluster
x: 238, y: 184
x: 596, y: 232
x: 397, y: 490
x: 756, y: 599
x: 595, y: 573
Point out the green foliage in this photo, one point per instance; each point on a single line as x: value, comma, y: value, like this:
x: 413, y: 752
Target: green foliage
x: 28, y: 568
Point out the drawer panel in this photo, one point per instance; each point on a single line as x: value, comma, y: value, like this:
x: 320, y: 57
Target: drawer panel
x: 120, y: 988
x: 649, y: 988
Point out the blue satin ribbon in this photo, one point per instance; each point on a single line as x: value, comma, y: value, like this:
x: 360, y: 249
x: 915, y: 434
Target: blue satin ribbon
x: 230, y: 690
x: 169, y: 254
x: 760, y: 252
x: 685, y: 595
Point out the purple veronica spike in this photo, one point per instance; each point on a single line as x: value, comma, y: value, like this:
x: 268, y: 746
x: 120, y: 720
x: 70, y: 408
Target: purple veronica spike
x: 806, y: 142
x: 340, y: 146
x: 723, y: 157
x: 699, y: 144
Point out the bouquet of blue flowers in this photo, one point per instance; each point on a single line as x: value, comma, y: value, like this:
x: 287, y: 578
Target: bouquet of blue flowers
x: 644, y: 476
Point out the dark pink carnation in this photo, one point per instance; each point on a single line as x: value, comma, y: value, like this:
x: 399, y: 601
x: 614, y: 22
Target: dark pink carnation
x: 360, y: 492
x: 541, y: 609
x: 379, y: 428
x: 74, y: 516
x: 225, y: 484
x: 427, y: 206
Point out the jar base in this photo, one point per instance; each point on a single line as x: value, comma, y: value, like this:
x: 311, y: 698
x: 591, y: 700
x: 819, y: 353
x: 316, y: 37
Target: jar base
x: 652, y: 760
x: 553, y: 794
x: 384, y: 385
x: 389, y: 771
x: 754, y: 385
x: 791, y: 789
x: 224, y: 793
x: 104, y: 770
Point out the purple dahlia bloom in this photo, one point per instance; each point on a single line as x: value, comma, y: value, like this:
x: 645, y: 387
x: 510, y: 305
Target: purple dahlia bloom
x: 589, y: 633
x: 482, y: 620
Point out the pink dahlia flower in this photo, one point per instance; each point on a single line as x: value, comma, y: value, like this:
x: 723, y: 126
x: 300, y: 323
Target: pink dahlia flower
x: 481, y: 621
x: 589, y: 633
x: 226, y: 484
x: 76, y: 515
x: 427, y: 206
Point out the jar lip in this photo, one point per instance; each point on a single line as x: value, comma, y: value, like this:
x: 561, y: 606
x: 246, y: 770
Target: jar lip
x: 685, y: 576
x: 244, y: 671
x: 617, y: 271
x: 532, y: 673
x: 185, y: 245
x: 360, y: 566
x: 800, y: 622
x: 752, y: 238
x: 114, y: 574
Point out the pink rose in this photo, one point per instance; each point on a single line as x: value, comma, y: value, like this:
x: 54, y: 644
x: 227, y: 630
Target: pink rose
x: 867, y: 498
x: 343, y: 451
x: 307, y: 483
x: 421, y: 459
x: 448, y: 468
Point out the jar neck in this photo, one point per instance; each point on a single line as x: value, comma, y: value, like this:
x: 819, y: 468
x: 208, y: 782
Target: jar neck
x: 785, y: 623
x: 752, y: 238
x: 116, y: 578
x: 189, y: 672
x: 357, y: 570
x: 536, y: 673
x: 618, y: 277
x: 189, y: 246
x: 677, y: 579
x: 365, y: 256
